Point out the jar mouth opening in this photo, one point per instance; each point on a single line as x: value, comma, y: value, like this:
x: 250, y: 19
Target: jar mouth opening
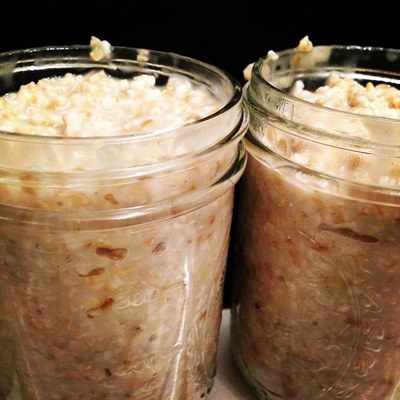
x: 125, y: 62
x: 272, y: 79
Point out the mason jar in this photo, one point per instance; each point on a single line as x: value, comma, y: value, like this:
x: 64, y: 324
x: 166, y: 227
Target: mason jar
x: 113, y: 246
x: 316, y: 305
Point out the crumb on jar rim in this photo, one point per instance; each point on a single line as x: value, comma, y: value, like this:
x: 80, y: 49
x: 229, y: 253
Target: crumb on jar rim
x: 100, y: 49
x: 271, y: 55
x: 305, y: 45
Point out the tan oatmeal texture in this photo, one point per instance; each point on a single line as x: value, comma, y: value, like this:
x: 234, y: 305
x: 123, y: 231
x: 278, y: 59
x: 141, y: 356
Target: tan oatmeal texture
x: 316, y: 311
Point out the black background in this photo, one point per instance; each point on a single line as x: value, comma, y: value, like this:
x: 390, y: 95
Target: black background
x: 228, y: 34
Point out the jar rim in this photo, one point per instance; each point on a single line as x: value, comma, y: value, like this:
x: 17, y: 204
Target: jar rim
x: 265, y: 67
x: 120, y: 54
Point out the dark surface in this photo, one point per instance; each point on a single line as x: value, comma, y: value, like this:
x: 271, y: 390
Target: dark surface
x: 228, y: 34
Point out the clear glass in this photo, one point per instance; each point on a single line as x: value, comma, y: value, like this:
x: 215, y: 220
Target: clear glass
x: 113, y: 249
x: 316, y: 306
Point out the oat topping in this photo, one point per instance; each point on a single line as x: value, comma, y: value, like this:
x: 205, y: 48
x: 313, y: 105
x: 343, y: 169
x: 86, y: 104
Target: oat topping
x: 305, y: 45
x: 346, y: 94
x: 143, y: 55
x: 101, y: 49
x: 97, y: 104
x: 272, y: 55
x: 247, y: 71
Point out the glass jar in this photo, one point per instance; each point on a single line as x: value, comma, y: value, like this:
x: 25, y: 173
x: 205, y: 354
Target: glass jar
x: 316, y: 305
x: 113, y: 249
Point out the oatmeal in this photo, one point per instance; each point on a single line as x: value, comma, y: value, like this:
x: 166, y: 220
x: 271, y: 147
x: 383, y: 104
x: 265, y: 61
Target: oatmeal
x: 100, y: 49
x: 305, y: 45
x: 346, y: 94
x: 316, y: 311
x: 97, y: 104
x: 116, y: 199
